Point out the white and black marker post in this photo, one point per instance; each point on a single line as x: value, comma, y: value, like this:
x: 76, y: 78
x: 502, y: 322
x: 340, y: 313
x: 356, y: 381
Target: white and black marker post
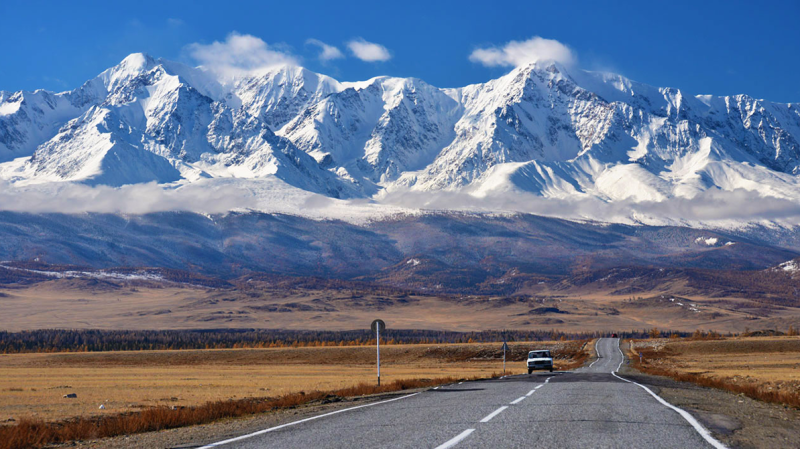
x: 505, y: 348
x: 376, y: 327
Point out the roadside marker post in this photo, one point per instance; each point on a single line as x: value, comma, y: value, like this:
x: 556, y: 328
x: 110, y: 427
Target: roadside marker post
x: 505, y: 348
x: 376, y: 327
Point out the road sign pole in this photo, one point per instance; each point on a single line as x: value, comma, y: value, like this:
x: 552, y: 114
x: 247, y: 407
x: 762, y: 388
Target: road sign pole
x: 378, y: 342
x: 376, y: 327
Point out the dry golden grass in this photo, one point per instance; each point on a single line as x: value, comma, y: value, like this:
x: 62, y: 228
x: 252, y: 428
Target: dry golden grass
x: 33, y: 433
x: 154, y: 390
x: 766, y: 368
x: 33, y: 385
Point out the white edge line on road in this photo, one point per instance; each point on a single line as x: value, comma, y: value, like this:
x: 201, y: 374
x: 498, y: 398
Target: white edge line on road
x: 261, y: 432
x: 518, y: 400
x: 494, y: 413
x: 531, y: 392
x: 688, y: 417
x: 596, y: 351
x: 456, y: 440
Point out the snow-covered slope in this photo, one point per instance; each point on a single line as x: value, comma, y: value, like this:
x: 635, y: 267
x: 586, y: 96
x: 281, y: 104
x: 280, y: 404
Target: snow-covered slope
x: 151, y: 120
x: 278, y: 95
x: 28, y: 119
x: 377, y: 130
x: 542, y: 129
x: 539, y: 129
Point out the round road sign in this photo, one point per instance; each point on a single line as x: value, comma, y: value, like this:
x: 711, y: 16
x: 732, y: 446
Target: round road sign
x: 375, y: 323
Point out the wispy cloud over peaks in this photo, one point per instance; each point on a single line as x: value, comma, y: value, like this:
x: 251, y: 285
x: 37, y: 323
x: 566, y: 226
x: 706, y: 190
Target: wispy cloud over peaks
x: 239, y: 53
x: 518, y: 53
x: 327, y: 52
x: 368, y: 51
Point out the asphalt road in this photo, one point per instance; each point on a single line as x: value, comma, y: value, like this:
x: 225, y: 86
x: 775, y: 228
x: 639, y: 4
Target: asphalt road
x: 587, y: 408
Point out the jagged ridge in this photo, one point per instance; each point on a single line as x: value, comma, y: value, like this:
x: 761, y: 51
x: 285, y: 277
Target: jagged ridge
x: 543, y: 128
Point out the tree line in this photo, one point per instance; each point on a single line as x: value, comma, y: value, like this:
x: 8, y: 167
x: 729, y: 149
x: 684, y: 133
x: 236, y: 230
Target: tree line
x: 90, y: 340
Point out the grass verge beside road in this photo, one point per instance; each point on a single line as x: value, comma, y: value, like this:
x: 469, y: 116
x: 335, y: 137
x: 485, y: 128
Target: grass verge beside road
x: 763, y: 368
x: 143, y: 391
x: 31, y: 433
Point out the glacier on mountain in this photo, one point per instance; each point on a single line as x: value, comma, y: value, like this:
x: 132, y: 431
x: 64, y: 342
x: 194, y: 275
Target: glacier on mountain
x: 541, y: 130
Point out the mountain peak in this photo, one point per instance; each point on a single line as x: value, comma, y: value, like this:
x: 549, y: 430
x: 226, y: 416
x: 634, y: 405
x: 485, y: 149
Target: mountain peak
x: 132, y: 66
x: 137, y: 61
x: 544, y: 128
x: 310, y: 80
x: 546, y: 69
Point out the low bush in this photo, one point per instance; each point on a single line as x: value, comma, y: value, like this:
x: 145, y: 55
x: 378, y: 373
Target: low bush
x: 30, y: 433
x: 757, y: 391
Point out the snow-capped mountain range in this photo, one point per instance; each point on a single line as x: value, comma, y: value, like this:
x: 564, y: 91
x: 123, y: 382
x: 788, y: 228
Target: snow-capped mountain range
x: 544, y: 129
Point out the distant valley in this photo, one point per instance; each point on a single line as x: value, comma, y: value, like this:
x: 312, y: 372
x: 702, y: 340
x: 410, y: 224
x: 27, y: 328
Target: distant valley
x: 461, y: 273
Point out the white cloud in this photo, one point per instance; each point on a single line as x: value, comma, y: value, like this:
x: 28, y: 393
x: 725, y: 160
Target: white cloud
x: 368, y: 51
x: 134, y: 198
x: 516, y: 53
x: 239, y: 53
x: 708, y: 208
x: 328, y: 52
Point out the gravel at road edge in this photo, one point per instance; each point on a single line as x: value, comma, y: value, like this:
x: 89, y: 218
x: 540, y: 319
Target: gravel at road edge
x: 736, y: 420
x: 187, y: 437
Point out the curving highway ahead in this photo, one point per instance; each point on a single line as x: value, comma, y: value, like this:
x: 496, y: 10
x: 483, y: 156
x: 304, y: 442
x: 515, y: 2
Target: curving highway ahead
x: 592, y: 407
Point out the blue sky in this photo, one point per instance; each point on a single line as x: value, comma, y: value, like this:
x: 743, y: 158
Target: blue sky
x: 724, y: 47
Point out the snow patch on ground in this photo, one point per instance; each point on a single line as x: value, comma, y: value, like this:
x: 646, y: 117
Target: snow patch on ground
x: 9, y: 108
x: 109, y: 275
x: 691, y: 307
x: 708, y: 241
x: 790, y: 266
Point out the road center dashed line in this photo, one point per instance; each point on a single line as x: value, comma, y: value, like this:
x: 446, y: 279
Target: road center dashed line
x: 461, y: 436
x: 455, y: 440
x: 458, y: 438
x: 494, y: 413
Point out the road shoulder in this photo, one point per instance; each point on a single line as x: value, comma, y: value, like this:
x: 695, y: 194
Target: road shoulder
x: 195, y: 436
x: 736, y: 420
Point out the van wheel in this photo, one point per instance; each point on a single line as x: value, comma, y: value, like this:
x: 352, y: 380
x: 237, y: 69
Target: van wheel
x: 530, y: 370
x: 551, y: 369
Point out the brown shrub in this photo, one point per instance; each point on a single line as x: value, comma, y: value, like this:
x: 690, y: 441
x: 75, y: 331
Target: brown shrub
x: 751, y: 390
x: 35, y: 433
x: 575, y: 356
